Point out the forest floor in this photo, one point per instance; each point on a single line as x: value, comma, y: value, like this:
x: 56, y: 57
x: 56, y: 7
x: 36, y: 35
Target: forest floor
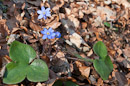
x: 81, y: 23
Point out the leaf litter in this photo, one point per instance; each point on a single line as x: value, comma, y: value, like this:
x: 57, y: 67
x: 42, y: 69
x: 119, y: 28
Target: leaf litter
x: 81, y: 23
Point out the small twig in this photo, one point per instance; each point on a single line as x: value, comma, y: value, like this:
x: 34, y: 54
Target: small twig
x: 74, y: 59
x: 49, y: 47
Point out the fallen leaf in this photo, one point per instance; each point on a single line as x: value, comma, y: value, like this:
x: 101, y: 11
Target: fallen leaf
x: 84, y: 70
x: 126, y: 51
x: 76, y: 39
x: 123, y: 2
x: 35, y: 27
x: 121, y: 79
x: 34, y: 2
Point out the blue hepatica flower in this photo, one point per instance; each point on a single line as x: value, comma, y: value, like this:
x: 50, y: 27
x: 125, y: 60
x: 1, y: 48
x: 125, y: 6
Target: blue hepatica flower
x: 57, y: 34
x: 44, y: 13
x: 48, y: 33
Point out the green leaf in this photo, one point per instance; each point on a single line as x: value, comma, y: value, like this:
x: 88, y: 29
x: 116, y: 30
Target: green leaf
x: 20, y: 52
x: 67, y: 83
x: 14, y: 73
x: 58, y: 83
x: 38, y: 71
x: 103, y: 67
x: 100, y: 49
x: 70, y: 83
x: 107, y: 24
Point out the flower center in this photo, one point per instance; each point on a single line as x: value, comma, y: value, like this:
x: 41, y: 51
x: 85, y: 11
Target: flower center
x: 44, y: 13
x: 48, y: 33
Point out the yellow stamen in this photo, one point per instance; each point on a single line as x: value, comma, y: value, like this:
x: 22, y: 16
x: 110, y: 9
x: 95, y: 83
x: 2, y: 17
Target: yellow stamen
x: 48, y: 33
x: 44, y: 13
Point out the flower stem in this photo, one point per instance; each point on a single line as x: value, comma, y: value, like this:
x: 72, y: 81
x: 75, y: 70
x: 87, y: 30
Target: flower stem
x: 80, y: 57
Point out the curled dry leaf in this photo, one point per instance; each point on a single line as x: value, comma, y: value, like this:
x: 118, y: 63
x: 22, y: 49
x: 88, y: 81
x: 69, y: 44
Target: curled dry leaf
x: 54, y: 24
x: 35, y: 27
x: 3, y: 29
x: 84, y: 70
x: 55, y: 8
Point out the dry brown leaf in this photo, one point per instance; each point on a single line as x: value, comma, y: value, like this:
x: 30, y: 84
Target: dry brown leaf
x: 121, y: 79
x: 126, y: 63
x: 97, y: 36
x: 3, y: 29
x: 84, y: 25
x: 105, y: 13
x: 100, y: 82
x: 34, y: 2
x: 76, y: 39
x: 123, y: 2
x: 90, y: 53
x: 59, y: 4
x: 35, y: 27
x: 84, y: 70
x: 74, y: 20
x: 54, y: 24
x: 126, y: 51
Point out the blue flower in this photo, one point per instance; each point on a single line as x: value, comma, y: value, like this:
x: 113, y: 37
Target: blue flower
x: 48, y: 33
x: 57, y: 34
x: 44, y: 13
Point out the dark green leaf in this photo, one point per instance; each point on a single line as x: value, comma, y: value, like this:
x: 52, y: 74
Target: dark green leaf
x: 20, y: 52
x: 38, y: 71
x: 100, y: 49
x: 70, y: 83
x: 107, y: 24
x: 14, y: 73
x: 67, y: 83
x: 103, y: 67
x: 58, y: 83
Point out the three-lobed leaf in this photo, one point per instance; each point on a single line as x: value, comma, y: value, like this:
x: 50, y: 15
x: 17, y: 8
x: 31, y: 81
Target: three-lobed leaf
x: 20, y: 52
x: 100, y: 49
x: 14, y: 73
x: 20, y: 67
x: 103, y: 67
x: 38, y: 71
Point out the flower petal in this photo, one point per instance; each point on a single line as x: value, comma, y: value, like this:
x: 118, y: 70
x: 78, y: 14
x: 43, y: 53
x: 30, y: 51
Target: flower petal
x: 40, y: 16
x: 43, y: 9
x: 39, y: 12
x: 49, y: 36
x: 45, y: 29
x: 44, y: 17
x: 58, y: 35
x: 48, y: 10
x: 51, y: 30
x: 44, y: 37
x: 43, y: 32
x: 52, y: 35
x: 48, y: 14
